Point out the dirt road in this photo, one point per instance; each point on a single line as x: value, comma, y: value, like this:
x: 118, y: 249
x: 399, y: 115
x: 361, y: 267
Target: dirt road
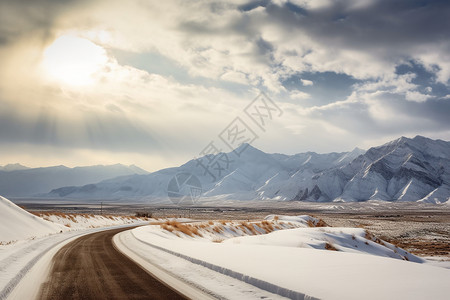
x: 91, y: 268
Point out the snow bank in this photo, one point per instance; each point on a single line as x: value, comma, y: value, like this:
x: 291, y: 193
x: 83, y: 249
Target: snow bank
x: 84, y: 221
x: 294, y: 263
x: 17, y: 224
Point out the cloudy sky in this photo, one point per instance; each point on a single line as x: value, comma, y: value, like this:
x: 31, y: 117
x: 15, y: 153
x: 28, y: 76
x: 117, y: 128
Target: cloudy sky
x: 152, y: 83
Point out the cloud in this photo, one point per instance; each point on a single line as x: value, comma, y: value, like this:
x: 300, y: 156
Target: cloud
x: 343, y: 56
x: 300, y: 95
x: 306, y: 82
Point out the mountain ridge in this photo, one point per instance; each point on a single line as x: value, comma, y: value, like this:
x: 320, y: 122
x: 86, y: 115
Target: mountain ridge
x: 405, y: 169
x: 35, y: 181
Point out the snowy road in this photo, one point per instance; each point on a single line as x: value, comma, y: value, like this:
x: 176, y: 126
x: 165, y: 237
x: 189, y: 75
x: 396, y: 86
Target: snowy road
x: 91, y: 268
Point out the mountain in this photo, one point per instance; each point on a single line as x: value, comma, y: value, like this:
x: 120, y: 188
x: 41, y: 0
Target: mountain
x: 405, y: 169
x: 13, y: 167
x: 230, y: 176
x: 19, y: 182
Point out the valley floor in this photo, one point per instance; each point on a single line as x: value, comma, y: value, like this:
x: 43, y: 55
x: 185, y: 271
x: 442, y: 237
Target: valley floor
x: 422, y: 229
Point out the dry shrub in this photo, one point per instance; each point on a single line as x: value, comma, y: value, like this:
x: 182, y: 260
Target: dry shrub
x: 248, y: 226
x: 369, y: 236
x: 330, y: 247
x: 217, y: 229
x: 211, y: 223
x: 186, y: 229
x: 275, y: 218
x: 267, y: 226
x: 166, y: 227
x: 7, y: 243
x: 320, y: 223
x: 71, y: 218
x: 217, y: 240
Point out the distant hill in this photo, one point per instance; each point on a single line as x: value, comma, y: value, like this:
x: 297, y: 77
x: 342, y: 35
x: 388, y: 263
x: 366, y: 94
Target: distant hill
x: 13, y: 167
x: 20, y: 181
x: 405, y: 169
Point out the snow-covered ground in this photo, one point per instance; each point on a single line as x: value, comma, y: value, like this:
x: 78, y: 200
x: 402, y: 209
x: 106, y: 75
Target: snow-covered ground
x: 17, y: 224
x: 296, y: 257
x: 304, y: 261
x: 27, y: 240
x: 84, y: 221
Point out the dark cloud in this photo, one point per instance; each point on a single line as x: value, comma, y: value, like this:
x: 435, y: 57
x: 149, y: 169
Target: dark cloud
x: 382, y: 26
x: 328, y: 87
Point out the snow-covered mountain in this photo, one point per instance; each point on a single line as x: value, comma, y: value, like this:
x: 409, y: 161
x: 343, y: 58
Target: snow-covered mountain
x: 405, y: 169
x: 19, y: 181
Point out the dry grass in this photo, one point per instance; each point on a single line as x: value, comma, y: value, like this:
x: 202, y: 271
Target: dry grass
x: 187, y: 229
x: 369, y: 236
x: 267, y: 226
x: 217, y: 229
x: 249, y: 227
x: 423, y: 246
x: 320, y: 223
x: 3, y: 243
x: 73, y: 217
x: 330, y: 247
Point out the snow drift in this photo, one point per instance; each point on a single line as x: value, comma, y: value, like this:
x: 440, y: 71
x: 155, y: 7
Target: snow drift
x: 18, y: 224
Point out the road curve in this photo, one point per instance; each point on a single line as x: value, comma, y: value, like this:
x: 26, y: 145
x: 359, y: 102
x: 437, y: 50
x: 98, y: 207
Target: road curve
x: 91, y: 268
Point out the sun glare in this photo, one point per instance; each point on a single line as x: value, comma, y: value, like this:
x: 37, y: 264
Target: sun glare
x: 73, y: 60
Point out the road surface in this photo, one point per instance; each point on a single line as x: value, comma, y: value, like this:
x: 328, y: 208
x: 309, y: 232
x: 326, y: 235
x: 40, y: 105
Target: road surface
x: 91, y: 268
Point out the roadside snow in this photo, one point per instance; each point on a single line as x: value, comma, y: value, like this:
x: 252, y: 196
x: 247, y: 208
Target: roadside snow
x: 294, y: 262
x: 18, y: 224
x: 192, y: 280
x: 27, y: 240
x: 84, y: 221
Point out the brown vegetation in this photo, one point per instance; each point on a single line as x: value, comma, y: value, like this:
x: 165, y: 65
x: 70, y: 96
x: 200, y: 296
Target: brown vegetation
x: 187, y: 229
x: 320, y: 223
x: 330, y: 247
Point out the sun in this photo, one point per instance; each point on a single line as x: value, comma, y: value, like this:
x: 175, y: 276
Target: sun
x: 73, y: 60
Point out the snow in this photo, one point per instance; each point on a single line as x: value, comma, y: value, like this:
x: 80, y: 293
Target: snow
x: 84, y: 221
x: 17, y: 224
x: 294, y: 263
x: 193, y: 280
x: 27, y: 243
x: 402, y: 170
